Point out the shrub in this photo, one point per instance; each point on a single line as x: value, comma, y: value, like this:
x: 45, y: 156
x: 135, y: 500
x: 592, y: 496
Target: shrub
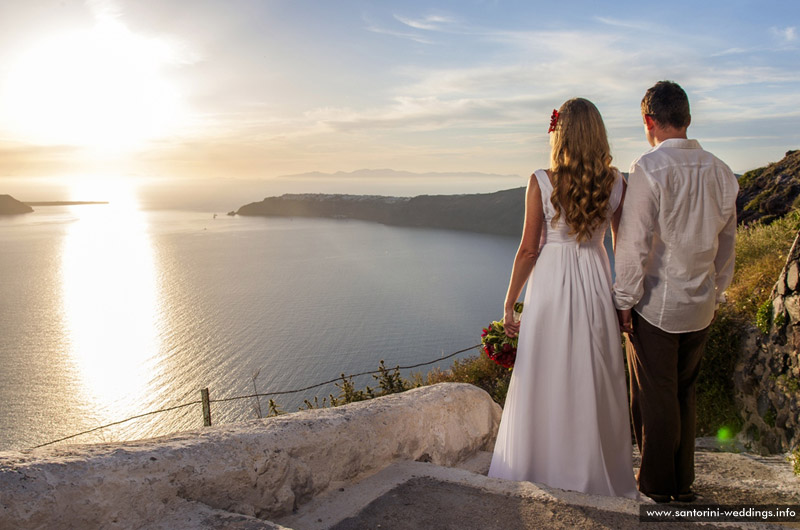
x: 390, y: 381
x: 716, y: 406
x: 478, y: 370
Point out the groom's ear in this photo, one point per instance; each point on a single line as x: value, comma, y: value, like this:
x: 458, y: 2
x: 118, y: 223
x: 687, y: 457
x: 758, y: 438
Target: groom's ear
x: 649, y: 122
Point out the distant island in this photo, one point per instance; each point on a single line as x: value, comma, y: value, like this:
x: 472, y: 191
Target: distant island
x: 63, y: 203
x: 11, y: 206
x: 498, y: 213
x: 765, y: 194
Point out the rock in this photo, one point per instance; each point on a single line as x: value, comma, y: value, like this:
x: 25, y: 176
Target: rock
x: 260, y: 468
x: 777, y: 308
x: 792, y: 304
x: 11, y: 206
x: 792, y: 276
x: 763, y: 403
x: 769, y: 192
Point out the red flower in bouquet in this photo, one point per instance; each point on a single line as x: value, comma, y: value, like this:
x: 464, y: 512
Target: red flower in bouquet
x: 498, y: 346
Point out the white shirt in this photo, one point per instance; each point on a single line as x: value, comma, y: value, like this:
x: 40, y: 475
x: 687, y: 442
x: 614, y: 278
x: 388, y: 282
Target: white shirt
x: 675, y: 248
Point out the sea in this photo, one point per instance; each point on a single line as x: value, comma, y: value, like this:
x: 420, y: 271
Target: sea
x: 110, y: 312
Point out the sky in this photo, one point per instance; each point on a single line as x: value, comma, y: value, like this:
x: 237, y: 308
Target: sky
x: 243, y: 90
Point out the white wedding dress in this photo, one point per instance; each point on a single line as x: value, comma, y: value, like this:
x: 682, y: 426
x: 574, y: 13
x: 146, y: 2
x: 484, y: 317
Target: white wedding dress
x: 565, y: 422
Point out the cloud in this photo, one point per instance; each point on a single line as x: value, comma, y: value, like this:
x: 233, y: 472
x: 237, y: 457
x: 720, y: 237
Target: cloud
x: 110, y: 16
x: 627, y: 24
x: 784, y: 35
x: 400, y: 34
x: 431, y: 113
x: 104, y: 8
x: 538, y: 70
x: 731, y: 51
x: 428, y: 23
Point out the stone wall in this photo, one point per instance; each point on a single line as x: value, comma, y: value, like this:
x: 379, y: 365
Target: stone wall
x: 261, y: 468
x: 767, y: 376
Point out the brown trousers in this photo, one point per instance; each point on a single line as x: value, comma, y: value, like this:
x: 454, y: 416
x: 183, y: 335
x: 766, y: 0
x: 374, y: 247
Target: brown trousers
x: 663, y: 370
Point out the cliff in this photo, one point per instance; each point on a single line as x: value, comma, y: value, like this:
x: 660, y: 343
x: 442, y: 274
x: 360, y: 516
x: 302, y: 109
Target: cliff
x: 768, y: 193
x: 11, y: 206
x: 499, y: 213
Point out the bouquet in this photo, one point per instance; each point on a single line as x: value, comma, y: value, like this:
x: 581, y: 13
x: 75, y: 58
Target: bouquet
x: 498, y: 346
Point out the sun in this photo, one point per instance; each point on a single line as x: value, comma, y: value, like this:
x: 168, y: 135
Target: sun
x: 102, y: 88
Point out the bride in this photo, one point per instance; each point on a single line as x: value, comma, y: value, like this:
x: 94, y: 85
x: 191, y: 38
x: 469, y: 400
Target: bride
x: 565, y: 421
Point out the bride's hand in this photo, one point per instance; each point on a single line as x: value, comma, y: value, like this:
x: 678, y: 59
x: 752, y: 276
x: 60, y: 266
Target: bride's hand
x: 510, y: 324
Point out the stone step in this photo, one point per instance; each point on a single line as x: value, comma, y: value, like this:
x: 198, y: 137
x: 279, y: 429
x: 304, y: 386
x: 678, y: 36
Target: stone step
x: 415, y: 495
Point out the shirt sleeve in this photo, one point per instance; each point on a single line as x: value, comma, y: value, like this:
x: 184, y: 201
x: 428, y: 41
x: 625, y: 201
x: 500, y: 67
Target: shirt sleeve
x: 635, y: 238
x: 726, y: 257
x: 616, y: 192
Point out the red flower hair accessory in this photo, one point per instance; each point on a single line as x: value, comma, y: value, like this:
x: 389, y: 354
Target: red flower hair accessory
x: 553, y: 121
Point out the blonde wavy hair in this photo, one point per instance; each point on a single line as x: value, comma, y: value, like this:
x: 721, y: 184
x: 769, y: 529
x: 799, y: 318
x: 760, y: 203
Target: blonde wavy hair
x: 580, y: 165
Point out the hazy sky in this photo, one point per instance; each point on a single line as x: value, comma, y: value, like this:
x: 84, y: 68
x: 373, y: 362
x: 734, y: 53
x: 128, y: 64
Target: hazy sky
x: 259, y: 88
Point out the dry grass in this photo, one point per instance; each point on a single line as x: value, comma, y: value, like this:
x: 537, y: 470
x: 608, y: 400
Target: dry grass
x: 761, y: 252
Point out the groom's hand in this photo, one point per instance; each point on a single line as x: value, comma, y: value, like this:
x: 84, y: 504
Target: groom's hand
x: 625, y: 320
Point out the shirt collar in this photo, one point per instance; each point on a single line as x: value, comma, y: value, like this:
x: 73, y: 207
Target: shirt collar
x: 679, y: 143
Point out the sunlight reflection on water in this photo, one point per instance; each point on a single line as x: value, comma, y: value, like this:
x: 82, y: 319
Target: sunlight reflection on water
x: 111, y: 306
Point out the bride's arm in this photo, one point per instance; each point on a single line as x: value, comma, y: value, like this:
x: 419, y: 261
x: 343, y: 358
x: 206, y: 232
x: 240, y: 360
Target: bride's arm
x: 527, y: 253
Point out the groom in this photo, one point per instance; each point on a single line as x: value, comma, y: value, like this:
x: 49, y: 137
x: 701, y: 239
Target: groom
x: 674, y: 259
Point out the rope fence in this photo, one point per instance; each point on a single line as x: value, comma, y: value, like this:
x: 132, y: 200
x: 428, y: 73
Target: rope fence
x: 206, y: 402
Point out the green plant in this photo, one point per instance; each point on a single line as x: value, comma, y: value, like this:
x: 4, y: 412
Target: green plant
x: 796, y: 458
x: 764, y: 317
x: 274, y: 409
x: 349, y: 393
x: 780, y: 320
x: 308, y: 405
x: 390, y: 380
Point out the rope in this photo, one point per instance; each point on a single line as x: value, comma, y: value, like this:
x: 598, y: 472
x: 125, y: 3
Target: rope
x: 117, y: 423
x: 250, y: 396
x: 283, y: 392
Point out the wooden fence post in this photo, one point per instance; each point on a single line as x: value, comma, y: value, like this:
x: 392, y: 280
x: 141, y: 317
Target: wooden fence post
x: 206, y: 407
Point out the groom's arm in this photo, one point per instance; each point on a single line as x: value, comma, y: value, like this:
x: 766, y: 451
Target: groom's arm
x: 635, y: 239
x: 726, y: 257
